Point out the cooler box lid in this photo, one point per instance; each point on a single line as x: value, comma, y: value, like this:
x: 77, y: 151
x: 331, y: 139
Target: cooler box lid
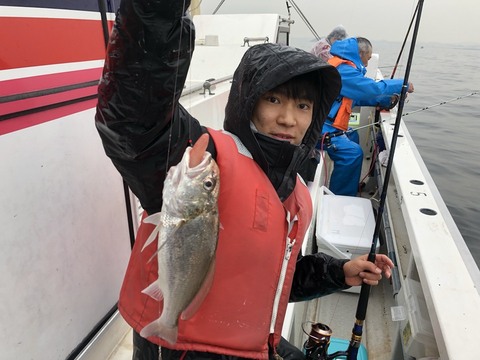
x: 345, y: 222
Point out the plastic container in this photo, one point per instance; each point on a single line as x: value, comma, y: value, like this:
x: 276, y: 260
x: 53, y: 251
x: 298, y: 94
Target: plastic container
x: 416, y: 330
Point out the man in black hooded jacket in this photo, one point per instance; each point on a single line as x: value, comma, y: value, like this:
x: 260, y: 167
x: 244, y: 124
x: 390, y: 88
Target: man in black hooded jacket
x: 278, y: 100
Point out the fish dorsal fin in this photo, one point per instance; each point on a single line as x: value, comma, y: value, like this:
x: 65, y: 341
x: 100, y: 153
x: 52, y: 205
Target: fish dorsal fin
x: 202, y: 293
x: 198, y: 149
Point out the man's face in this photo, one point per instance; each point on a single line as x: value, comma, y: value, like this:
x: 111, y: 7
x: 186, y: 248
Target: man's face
x: 282, y: 118
x: 365, y: 56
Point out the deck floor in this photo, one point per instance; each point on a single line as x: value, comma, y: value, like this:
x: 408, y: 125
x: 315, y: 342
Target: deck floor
x: 124, y: 350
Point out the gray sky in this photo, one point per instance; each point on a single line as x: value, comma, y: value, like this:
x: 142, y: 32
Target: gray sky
x: 443, y: 21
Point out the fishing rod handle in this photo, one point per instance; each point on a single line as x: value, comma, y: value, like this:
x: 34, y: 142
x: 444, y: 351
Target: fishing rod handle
x: 363, y: 303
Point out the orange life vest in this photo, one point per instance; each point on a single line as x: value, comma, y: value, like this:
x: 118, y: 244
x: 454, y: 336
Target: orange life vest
x: 343, y: 114
x: 259, y: 242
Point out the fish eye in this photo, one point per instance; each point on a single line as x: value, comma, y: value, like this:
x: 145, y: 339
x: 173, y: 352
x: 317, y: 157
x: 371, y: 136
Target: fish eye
x: 208, y: 184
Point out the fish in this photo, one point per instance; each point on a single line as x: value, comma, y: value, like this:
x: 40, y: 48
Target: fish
x: 186, y: 229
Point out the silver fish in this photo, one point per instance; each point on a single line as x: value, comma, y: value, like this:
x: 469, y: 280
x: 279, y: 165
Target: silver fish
x: 187, y: 227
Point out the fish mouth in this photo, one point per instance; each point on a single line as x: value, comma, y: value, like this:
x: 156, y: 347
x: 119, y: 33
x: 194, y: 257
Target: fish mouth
x: 183, y: 169
x: 198, y: 169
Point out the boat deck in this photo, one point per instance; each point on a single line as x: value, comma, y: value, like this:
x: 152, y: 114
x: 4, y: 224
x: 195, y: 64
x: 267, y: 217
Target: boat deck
x: 124, y: 350
x: 380, y: 333
x: 331, y: 310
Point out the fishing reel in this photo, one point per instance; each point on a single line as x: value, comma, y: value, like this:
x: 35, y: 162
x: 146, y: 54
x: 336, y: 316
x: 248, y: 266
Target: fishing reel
x: 327, y: 140
x: 393, y: 102
x: 327, y: 137
x: 316, y: 346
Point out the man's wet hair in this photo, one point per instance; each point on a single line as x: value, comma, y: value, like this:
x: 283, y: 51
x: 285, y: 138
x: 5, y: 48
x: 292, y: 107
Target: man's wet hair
x: 305, y: 86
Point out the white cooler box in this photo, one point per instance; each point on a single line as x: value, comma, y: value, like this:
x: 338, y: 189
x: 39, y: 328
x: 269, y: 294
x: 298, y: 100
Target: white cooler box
x: 345, y: 225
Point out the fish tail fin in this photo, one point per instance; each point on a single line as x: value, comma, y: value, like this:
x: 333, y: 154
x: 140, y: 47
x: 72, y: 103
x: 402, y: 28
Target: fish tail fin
x: 158, y: 329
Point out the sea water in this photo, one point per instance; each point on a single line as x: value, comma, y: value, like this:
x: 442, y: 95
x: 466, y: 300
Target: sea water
x: 447, y: 135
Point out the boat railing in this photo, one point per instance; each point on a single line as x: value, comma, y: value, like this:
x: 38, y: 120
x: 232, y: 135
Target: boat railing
x: 206, y: 86
x: 246, y: 40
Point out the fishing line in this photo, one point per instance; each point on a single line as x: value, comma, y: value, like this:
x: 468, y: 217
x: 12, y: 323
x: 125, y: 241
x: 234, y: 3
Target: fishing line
x: 388, y: 66
x: 172, y: 112
x: 172, y: 123
x: 338, y: 133
x: 175, y: 88
x: 441, y: 103
x: 404, y: 42
x: 191, y: 46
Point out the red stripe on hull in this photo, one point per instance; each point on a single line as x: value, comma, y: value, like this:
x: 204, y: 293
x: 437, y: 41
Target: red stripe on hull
x: 37, y: 102
x: 11, y: 125
x: 24, y: 86
x: 40, y: 41
x: 42, y: 82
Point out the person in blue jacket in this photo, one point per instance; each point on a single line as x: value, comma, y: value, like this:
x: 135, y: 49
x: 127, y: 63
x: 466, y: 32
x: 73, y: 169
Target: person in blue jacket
x: 351, y: 56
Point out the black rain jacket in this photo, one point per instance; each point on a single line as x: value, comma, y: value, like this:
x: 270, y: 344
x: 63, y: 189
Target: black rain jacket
x: 142, y: 124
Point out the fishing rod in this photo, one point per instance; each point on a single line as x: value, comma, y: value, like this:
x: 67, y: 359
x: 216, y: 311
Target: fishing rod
x: 441, y: 103
x: 404, y: 42
x: 377, y: 111
x: 357, y: 330
x: 382, y: 215
x: 316, y: 346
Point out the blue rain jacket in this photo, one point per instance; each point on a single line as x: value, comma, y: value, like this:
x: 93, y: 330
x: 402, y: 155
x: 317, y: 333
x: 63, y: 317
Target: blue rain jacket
x: 362, y: 90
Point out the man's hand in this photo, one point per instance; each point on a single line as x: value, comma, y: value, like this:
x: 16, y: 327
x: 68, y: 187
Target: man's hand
x: 360, y: 270
x: 410, y: 88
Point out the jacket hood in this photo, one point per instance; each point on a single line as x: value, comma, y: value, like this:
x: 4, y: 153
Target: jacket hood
x: 262, y: 68
x: 347, y: 49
